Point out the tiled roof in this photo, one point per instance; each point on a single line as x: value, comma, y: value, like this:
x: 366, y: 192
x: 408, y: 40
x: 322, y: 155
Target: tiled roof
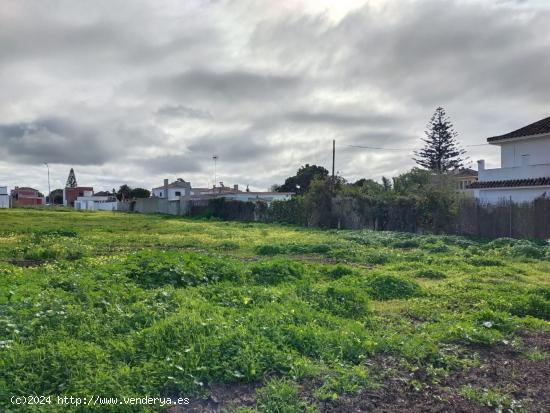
x: 510, y: 183
x: 537, y: 128
x: 464, y: 172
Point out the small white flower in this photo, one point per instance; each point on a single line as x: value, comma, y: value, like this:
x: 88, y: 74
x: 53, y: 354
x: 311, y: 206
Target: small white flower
x: 488, y: 324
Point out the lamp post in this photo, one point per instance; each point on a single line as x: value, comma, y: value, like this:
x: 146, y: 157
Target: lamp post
x: 49, y: 188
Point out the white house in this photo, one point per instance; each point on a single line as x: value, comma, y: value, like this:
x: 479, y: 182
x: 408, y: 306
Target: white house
x: 524, y: 174
x: 91, y: 202
x: 172, y: 191
x: 4, y: 197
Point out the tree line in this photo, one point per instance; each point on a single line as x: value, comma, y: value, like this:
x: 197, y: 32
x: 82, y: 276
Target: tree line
x: 425, y: 194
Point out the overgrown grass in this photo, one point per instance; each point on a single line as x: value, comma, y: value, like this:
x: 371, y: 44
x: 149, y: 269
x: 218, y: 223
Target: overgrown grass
x: 129, y: 305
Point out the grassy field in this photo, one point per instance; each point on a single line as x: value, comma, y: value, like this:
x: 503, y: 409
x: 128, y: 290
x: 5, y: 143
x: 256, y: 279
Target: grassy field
x: 255, y: 317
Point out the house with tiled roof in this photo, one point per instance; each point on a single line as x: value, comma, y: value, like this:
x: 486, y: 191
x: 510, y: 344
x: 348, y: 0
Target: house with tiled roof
x: 524, y: 174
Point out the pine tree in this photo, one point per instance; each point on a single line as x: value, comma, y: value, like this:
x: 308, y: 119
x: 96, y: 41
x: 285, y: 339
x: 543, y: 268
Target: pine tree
x: 71, y: 180
x: 441, y: 152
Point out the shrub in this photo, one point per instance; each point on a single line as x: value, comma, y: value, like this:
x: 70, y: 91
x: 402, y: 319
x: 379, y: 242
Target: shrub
x: 484, y: 261
x: 527, y: 250
x: 277, y: 271
x: 532, y: 304
x: 310, y: 248
x: 435, y: 247
x: 405, y: 243
x: 152, y: 269
x: 387, y: 287
x: 502, y: 242
x: 229, y: 246
x: 339, y: 300
x: 269, y: 249
x: 338, y: 271
x: 430, y: 273
x: 377, y: 258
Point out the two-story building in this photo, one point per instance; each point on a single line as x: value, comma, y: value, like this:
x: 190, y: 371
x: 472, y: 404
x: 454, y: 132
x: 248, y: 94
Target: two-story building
x: 25, y: 196
x: 524, y: 174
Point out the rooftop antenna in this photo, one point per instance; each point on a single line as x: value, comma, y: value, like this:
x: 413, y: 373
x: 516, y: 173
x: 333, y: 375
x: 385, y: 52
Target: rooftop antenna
x: 215, y: 159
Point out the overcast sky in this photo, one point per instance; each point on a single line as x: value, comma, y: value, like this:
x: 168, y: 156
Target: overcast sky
x: 134, y: 91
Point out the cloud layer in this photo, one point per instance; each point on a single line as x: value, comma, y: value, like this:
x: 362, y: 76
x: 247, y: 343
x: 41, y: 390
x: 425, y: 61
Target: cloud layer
x: 157, y: 88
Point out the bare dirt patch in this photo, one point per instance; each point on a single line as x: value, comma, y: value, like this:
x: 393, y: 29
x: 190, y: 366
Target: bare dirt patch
x: 502, y: 367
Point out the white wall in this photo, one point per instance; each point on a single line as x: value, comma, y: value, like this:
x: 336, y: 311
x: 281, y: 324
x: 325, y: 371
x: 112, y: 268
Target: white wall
x: 518, y: 172
x: 159, y: 193
x: 537, y: 149
x: 4, y: 197
x: 247, y: 196
x: 87, y: 204
x: 518, y: 195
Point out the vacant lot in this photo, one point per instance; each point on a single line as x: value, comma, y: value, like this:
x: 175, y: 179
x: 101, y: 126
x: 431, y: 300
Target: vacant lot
x: 253, y: 317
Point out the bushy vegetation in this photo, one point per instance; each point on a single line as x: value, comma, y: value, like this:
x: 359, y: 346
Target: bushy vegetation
x: 129, y: 305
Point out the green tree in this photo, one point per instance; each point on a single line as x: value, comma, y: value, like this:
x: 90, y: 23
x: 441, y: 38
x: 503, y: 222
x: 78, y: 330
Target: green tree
x: 123, y: 192
x: 71, y: 180
x: 318, y: 201
x: 441, y: 152
x: 301, y: 182
x: 56, y: 196
x: 139, y: 193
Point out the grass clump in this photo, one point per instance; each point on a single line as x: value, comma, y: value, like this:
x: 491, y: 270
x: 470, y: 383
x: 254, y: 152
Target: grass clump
x: 274, y: 272
x: 485, y: 262
x: 387, y: 287
x: 152, y: 269
x: 343, y: 301
x: 344, y: 380
x: 338, y: 271
x: 493, y: 398
x: 281, y: 396
x: 430, y: 273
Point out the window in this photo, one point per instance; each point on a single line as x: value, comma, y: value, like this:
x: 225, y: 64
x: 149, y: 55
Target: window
x: 178, y: 193
x: 161, y: 194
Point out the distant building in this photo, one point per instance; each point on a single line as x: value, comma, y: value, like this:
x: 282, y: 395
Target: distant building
x: 4, y: 197
x: 72, y: 191
x: 183, y: 189
x: 524, y: 174
x: 96, y: 202
x: 463, y: 178
x: 25, y: 196
x: 172, y: 191
x: 70, y: 195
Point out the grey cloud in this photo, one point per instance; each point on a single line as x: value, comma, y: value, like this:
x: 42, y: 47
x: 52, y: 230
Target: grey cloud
x: 233, y: 86
x: 52, y: 140
x: 182, y: 111
x: 264, y: 87
x: 234, y: 148
x: 64, y: 141
x: 175, y: 164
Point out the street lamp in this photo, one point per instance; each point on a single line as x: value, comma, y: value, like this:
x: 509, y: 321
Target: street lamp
x: 49, y: 189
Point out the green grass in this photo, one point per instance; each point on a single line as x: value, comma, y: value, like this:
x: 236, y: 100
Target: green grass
x: 117, y: 305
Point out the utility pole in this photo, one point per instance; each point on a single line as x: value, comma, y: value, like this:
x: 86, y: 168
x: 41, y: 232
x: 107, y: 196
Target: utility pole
x: 333, y: 161
x: 215, y: 158
x: 49, y: 188
x: 333, y: 156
